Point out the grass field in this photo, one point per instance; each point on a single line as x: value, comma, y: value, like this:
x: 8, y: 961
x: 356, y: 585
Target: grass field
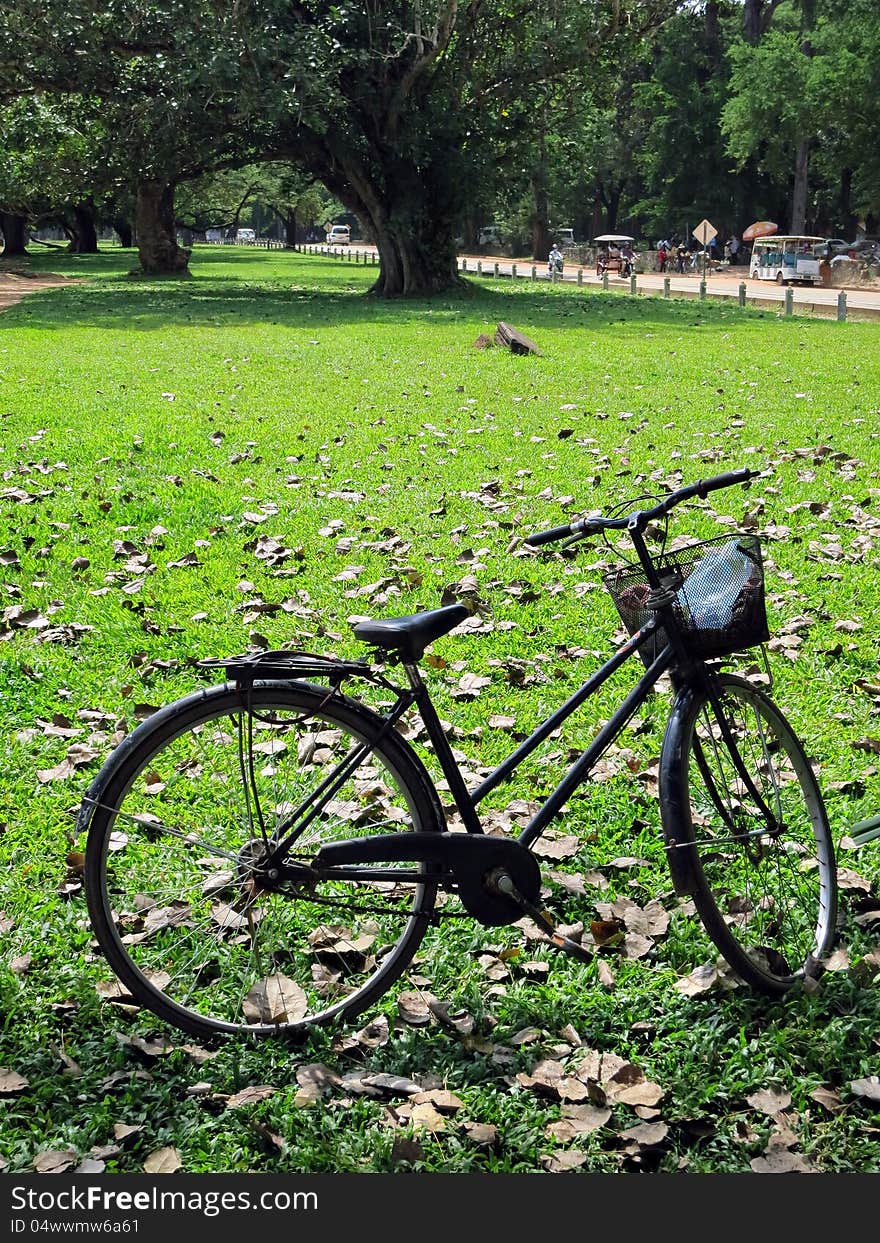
x: 259, y: 454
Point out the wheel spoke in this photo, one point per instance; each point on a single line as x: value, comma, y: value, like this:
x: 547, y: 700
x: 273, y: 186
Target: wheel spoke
x: 766, y: 893
x: 182, y: 905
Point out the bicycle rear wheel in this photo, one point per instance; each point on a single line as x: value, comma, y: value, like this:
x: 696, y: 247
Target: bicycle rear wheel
x: 766, y: 892
x: 181, y: 815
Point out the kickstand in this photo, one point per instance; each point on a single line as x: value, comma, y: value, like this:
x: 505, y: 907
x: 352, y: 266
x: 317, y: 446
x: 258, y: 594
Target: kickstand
x: 503, y: 883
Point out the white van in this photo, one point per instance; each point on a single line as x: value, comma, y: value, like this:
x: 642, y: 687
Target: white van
x: 786, y: 259
x: 338, y: 235
x: 245, y: 235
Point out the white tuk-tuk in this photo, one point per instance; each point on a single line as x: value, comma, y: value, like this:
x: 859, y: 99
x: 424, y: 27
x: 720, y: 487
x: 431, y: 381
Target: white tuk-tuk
x: 785, y: 259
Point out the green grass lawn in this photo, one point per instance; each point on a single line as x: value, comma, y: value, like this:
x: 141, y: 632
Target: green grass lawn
x: 261, y: 453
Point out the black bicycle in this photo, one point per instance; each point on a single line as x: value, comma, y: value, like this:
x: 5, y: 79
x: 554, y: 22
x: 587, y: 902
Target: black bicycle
x: 268, y: 853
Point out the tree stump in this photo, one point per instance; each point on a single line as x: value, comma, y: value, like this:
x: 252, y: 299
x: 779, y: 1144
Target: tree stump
x: 517, y: 342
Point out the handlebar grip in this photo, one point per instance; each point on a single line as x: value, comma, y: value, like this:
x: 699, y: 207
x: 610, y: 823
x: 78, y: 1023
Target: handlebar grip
x: 549, y: 537
x: 727, y: 480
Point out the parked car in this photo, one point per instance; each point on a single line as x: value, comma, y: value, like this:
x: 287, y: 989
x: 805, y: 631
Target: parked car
x: 864, y: 246
x: 563, y: 237
x: 489, y: 235
x: 245, y: 235
x: 338, y: 235
x: 828, y: 247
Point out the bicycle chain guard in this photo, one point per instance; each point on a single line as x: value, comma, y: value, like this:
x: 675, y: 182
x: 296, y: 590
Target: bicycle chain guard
x: 470, y: 857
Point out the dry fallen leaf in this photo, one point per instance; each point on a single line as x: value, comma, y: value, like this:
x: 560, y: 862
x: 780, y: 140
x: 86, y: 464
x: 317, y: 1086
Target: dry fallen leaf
x: 562, y: 1162
x: 868, y: 1088
x: 414, y: 1008
x: 700, y: 980
x: 275, y: 1000
x: 163, y: 1161
x: 769, y: 1101
x: 578, y: 1120
x: 54, y: 1161
x: 778, y: 1159
x: 646, y: 1134
x: 249, y: 1096
x: 483, y: 1134
x: 828, y: 1098
x: 11, y: 1081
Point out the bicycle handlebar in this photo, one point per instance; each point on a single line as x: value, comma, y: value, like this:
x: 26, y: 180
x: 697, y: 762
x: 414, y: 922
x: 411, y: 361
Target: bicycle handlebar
x: 639, y: 518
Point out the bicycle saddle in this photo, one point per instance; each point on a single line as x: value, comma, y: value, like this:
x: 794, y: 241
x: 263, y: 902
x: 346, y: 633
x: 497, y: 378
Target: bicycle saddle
x: 411, y: 635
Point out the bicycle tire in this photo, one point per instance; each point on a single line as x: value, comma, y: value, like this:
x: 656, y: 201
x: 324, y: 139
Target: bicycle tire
x: 766, y: 898
x: 173, y: 833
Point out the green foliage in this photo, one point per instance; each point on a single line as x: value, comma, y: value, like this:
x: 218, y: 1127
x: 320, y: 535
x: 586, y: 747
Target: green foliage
x: 169, y: 416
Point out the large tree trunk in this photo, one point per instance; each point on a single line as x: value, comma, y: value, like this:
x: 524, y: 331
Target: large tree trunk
x: 757, y: 15
x: 611, y: 196
x: 123, y: 231
x: 417, y: 255
x: 409, y: 210
x: 83, y: 234
x: 540, y: 220
x: 799, y: 191
x: 158, y: 250
x: 14, y: 229
x: 415, y: 264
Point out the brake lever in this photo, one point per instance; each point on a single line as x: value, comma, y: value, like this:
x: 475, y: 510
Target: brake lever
x: 575, y: 539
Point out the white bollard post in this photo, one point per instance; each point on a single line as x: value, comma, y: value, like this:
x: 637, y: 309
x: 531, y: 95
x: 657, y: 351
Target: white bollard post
x: 841, y: 305
x: 742, y: 294
x: 666, y: 289
x: 789, y: 301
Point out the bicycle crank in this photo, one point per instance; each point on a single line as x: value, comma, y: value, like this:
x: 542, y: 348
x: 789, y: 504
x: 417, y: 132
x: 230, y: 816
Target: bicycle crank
x: 502, y: 882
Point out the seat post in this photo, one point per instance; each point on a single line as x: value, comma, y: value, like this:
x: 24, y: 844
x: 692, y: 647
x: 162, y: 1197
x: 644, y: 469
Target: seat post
x: 443, y: 751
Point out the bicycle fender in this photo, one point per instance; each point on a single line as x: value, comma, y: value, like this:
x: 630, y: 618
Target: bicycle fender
x: 674, y: 810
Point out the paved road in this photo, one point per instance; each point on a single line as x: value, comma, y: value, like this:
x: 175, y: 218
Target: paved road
x: 806, y: 299
x: 814, y: 300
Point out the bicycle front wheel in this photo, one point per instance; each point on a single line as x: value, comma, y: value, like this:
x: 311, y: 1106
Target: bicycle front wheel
x: 747, y: 833
x: 182, y: 814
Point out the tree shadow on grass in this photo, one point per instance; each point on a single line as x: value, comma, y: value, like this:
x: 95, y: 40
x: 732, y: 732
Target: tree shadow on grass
x: 249, y: 286
x: 339, y: 295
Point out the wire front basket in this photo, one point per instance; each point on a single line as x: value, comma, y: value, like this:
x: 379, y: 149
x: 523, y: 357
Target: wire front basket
x: 718, y: 602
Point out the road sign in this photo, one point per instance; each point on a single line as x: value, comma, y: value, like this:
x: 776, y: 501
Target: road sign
x: 704, y: 232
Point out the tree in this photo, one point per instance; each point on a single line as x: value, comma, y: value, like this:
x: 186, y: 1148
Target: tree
x: 390, y: 104
x: 51, y: 170
x: 798, y: 87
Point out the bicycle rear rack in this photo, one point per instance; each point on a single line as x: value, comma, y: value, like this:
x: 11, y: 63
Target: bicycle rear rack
x: 283, y: 665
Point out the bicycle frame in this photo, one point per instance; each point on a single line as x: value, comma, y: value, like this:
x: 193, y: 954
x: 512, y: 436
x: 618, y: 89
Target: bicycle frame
x: 417, y: 694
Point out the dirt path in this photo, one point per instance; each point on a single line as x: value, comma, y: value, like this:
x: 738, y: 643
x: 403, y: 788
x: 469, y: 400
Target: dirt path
x: 15, y: 285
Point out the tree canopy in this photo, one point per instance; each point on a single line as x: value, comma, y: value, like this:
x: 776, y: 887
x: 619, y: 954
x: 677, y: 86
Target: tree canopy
x: 420, y: 117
